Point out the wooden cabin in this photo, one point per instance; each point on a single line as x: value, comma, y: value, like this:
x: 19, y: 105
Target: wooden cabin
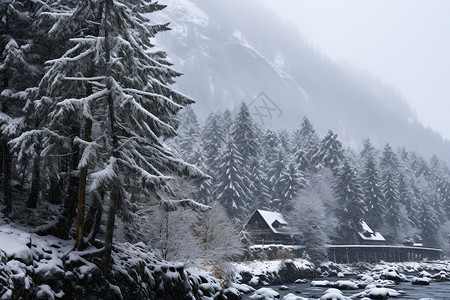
x: 267, y: 227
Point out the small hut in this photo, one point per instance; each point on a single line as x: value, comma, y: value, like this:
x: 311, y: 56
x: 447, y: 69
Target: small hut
x: 267, y: 227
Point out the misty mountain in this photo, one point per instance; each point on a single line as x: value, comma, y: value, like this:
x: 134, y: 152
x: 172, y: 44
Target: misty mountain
x: 235, y: 50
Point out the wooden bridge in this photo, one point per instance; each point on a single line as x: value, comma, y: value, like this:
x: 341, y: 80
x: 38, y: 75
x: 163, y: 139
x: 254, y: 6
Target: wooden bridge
x: 377, y: 253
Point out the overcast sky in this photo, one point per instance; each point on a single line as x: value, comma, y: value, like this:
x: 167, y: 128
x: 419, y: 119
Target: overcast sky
x: 406, y: 43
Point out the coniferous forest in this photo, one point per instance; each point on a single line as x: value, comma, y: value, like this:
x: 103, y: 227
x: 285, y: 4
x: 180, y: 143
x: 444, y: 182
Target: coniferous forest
x: 396, y: 191
x: 97, y: 148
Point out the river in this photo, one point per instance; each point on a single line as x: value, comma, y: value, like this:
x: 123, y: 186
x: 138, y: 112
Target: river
x: 435, y: 291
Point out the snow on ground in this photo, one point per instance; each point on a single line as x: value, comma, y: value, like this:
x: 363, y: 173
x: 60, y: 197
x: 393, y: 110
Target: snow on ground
x: 16, y: 244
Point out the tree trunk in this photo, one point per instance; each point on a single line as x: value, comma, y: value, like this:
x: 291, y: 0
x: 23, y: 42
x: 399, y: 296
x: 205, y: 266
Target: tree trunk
x: 6, y: 164
x: 84, y: 170
x: 82, y: 190
x: 61, y: 228
x: 35, y: 182
x: 115, y: 192
x: 113, y: 200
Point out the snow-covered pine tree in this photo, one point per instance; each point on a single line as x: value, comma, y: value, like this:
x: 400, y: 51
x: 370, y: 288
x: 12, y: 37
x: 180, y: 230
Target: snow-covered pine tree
x: 291, y: 181
x: 232, y: 191
x: 306, y: 137
x: 329, y: 153
x: 189, y: 135
x: 18, y: 71
x: 440, y: 176
x: 304, y: 141
x: 373, y: 194
x: 408, y: 200
x: 245, y: 135
x: 368, y: 151
x: 276, y: 168
x: 213, y: 141
x: 390, y: 168
x: 285, y: 140
x: 227, y: 123
x: 350, y: 208
x: 270, y: 144
x: 392, y: 204
x: 120, y: 92
x: 389, y: 160
x: 429, y: 224
x: 259, y: 190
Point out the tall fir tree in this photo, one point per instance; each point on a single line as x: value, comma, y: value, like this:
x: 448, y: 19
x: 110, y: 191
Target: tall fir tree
x: 130, y: 114
x: 373, y: 194
x: 188, y: 138
x: 232, y: 191
x: 329, y: 153
x: 350, y: 208
x: 20, y: 69
x: 213, y: 141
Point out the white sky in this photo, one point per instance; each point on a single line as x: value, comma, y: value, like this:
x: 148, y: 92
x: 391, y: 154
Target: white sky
x: 406, y: 43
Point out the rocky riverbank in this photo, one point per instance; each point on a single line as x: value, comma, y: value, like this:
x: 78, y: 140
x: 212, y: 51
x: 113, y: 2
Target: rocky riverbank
x: 334, y: 281
x: 37, y: 267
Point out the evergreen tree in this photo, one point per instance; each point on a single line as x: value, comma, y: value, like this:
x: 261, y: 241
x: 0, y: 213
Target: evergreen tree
x: 259, y: 190
x: 390, y: 168
x: 271, y: 146
x: 408, y: 200
x: 212, y: 140
x: 18, y: 71
x: 304, y: 142
x: 329, y: 153
x: 290, y: 182
x: 392, y: 204
x: 245, y: 134
x: 429, y: 225
x: 285, y: 140
x: 373, y: 194
x: 130, y: 114
x: 232, y: 191
x: 226, y: 121
x: 350, y: 205
x: 189, y: 136
x: 275, y: 171
x: 389, y: 160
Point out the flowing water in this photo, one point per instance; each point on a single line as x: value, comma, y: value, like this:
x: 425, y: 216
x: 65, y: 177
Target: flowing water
x: 435, y: 291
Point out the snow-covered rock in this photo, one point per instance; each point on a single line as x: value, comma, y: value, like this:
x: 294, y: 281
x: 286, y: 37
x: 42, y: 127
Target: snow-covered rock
x: 373, y: 292
x: 421, y: 281
x: 291, y: 296
x: 16, y: 244
x: 392, y: 273
x: 272, y: 272
x: 346, y: 285
x: 299, y: 281
x: 44, y: 267
x: 322, y: 283
x: 333, y: 294
x: 265, y: 294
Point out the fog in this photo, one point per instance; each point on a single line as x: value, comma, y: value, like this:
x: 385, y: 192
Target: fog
x: 405, y: 43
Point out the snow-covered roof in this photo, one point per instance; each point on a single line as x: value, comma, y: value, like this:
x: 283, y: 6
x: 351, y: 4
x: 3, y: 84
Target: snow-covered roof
x: 369, y: 235
x: 271, y: 218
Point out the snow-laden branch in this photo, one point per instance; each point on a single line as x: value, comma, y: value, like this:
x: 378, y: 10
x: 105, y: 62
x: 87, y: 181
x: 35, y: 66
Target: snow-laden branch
x: 148, y: 94
x: 85, y: 78
x: 171, y: 205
